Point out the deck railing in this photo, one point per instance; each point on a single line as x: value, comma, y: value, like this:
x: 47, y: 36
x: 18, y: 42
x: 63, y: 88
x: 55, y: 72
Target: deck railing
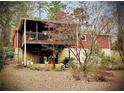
x: 48, y: 37
x: 36, y: 36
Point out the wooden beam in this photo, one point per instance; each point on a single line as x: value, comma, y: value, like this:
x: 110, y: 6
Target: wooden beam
x: 36, y: 31
x: 17, y: 47
x: 54, y: 57
x: 45, y: 42
x: 25, y: 63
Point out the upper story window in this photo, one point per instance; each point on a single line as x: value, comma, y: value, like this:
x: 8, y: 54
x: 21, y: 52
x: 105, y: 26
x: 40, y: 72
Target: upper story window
x: 83, y: 37
x: 51, y: 29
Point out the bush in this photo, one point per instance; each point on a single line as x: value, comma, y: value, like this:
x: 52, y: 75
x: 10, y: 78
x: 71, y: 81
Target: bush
x: 116, y: 56
x: 93, y: 71
x: 105, y: 61
x: 67, y: 61
x: 9, y: 51
x: 117, y: 61
x: 77, y: 71
x: 88, y: 70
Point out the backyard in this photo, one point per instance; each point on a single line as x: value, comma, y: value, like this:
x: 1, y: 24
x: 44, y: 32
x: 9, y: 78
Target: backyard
x: 61, y: 46
x: 20, y: 78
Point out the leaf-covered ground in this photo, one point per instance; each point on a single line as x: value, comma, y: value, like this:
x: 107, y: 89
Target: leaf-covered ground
x: 15, y: 78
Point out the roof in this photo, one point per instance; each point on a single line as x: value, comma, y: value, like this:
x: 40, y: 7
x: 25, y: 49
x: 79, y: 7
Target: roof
x: 21, y: 23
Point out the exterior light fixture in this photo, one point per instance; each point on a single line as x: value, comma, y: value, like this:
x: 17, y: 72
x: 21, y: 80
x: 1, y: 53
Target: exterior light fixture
x: 44, y: 32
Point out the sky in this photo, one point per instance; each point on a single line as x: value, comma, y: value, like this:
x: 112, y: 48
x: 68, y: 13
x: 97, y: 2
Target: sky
x: 70, y: 4
x: 103, y: 8
x: 106, y: 7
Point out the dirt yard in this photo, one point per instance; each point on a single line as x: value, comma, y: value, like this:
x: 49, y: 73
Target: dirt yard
x: 15, y: 78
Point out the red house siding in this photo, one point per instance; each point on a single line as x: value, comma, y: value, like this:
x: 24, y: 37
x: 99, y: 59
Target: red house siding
x: 85, y: 43
x: 102, y: 40
x: 19, y: 40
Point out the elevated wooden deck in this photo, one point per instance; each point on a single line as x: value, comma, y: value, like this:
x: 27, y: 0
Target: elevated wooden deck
x: 48, y: 38
x: 46, y: 42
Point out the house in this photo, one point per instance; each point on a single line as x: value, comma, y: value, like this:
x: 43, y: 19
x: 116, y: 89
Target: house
x: 85, y: 42
x: 35, y: 40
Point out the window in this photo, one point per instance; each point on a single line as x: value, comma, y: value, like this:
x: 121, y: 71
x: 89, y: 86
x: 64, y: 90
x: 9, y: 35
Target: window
x: 83, y: 37
x: 51, y: 29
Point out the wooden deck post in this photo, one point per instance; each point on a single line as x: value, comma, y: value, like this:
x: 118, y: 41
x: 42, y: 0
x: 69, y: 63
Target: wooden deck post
x: 36, y: 31
x: 25, y: 63
x: 17, y: 46
x: 53, y: 56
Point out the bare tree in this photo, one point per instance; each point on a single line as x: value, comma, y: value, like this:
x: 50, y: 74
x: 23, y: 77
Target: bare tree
x: 89, y: 19
x: 120, y: 23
